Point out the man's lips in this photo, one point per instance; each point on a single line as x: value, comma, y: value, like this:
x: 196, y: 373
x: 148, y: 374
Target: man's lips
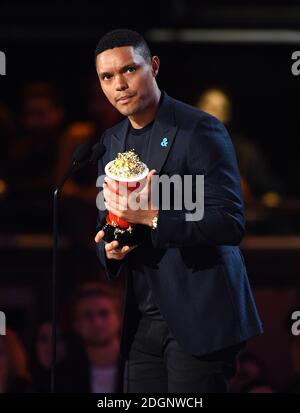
x: 125, y: 99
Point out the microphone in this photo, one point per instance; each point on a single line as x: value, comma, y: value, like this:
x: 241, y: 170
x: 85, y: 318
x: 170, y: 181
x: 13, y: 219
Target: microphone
x: 98, y: 151
x: 84, y: 154
x: 80, y: 158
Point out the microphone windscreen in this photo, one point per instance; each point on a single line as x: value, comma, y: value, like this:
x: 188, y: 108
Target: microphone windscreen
x: 98, y: 151
x: 82, y: 152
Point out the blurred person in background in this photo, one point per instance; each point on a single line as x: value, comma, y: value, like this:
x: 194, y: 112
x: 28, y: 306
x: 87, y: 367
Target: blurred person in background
x: 41, y: 357
x: 41, y: 121
x: 94, y: 364
x: 293, y: 331
x: 79, y: 192
x: 99, y: 111
x: 294, y: 352
x: 256, y: 179
x: 7, y: 137
x: 249, y: 370
x: 14, y: 373
x: 258, y: 386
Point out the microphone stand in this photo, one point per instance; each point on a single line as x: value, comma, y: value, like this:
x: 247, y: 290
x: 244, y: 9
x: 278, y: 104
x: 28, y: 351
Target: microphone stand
x: 83, y: 156
x: 73, y: 168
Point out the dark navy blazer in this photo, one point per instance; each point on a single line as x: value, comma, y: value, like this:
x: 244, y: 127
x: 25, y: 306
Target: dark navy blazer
x: 195, y: 269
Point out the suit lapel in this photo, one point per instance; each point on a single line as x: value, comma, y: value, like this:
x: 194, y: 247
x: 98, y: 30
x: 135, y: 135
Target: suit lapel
x: 161, y: 139
x: 160, y: 143
x: 162, y: 135
x: 118, y: 141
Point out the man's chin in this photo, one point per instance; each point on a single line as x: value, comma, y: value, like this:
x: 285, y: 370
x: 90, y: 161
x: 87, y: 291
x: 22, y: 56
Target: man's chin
x: 127, y: 110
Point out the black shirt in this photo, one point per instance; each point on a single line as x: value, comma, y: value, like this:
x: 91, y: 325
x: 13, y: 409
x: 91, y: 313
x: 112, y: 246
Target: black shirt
x: 138, y: 139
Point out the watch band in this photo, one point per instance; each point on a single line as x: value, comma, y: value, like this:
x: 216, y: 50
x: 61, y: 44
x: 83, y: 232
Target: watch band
x: 154, y: 222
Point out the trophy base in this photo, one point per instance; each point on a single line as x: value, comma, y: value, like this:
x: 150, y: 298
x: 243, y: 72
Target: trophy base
x: 133, y: 235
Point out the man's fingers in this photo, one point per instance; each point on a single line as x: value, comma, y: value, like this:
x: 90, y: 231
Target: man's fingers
x: 113, y: 252
x: 111, y: 183
x: 99, y: 236
x: 110, y: 246
x: 119, y: 253
x: 127, y: 249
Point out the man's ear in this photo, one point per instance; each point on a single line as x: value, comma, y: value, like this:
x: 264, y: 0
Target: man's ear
x: 155, y: 62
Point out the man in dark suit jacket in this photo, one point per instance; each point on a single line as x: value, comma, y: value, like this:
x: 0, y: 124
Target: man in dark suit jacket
x: 189, y: 308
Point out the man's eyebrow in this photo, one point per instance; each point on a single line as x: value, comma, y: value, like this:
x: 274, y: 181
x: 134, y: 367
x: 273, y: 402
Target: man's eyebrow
x: 124, y: 68
x: 121, y: 70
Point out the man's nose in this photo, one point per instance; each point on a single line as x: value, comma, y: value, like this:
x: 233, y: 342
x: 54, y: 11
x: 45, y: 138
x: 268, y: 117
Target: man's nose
x: 121, y: 83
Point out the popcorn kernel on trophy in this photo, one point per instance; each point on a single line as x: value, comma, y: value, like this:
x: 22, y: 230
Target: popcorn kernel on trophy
x: 126, y: 169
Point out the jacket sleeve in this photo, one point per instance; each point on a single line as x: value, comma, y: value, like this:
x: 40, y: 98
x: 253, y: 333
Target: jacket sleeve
x: 211, y: 154
x: 112, y: 267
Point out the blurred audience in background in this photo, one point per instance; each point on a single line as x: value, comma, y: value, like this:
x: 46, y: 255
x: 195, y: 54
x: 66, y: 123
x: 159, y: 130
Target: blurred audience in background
x: 294, y: 352
x: 257, y: 386
x: 7, y: 137
x: 40, y: 365
x: 14, y: 373
x: 100, y: 116
x: 99, y: 111
x: 94, y: 364
x: 40, y: 125
x: 256, y: 178
x: 79, y: 192
x: 78, y: 195
x: 31, y: 157
x: 249, y: 371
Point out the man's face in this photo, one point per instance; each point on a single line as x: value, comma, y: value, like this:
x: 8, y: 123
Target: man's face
x: 40, y: 116
x: 44, y: 345
x: 97, y: 321
x: 216, y: 103
x: 127, y: 80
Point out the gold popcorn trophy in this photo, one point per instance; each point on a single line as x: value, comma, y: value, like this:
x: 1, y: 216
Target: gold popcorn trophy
x: 127, y: 170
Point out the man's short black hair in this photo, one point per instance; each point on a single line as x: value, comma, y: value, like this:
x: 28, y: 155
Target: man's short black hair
x: 41, y: 90
x: 95, y: 289
x: 121, y: 38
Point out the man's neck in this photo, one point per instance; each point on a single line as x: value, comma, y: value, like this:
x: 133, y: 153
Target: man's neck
x: 147, y: 115
x: 101, y: 356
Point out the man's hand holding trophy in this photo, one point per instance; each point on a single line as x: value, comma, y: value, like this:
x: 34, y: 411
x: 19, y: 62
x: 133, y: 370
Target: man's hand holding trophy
x: 127, y: 197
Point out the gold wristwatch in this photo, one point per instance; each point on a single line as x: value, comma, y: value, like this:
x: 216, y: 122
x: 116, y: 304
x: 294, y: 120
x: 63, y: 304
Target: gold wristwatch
x: 154, y: 222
